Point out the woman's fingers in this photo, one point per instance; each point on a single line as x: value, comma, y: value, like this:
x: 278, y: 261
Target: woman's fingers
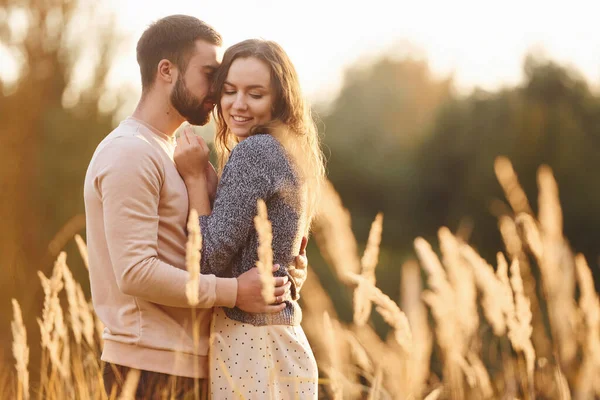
x: 188, y: 135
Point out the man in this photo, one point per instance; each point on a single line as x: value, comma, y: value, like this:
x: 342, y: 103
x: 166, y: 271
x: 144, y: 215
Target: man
x: 136, y: 213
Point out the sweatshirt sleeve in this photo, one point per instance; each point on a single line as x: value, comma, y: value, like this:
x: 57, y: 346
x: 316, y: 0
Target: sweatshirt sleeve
x: 253, y: 172
x: 129, y: 180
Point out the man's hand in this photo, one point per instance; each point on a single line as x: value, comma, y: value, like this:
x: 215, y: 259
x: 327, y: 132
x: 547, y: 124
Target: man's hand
x: 191, y: 156
x: 249, y: 297
x: 298, y: 270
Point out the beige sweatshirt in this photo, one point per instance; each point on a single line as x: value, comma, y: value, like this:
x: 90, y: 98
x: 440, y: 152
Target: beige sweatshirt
x: 136, y: 212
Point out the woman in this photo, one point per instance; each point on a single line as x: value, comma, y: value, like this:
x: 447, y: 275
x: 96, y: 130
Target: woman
x: 268, y: 148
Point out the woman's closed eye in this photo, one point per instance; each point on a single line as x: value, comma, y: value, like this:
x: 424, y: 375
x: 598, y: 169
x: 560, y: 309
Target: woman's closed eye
x: 229, y: 92
x: 256, y: 95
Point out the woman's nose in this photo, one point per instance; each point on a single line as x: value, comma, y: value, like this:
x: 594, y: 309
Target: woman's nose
x: 240, y: 102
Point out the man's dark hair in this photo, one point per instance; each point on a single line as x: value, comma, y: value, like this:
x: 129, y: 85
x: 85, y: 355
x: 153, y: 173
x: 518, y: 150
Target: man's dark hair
x: 172, y: 38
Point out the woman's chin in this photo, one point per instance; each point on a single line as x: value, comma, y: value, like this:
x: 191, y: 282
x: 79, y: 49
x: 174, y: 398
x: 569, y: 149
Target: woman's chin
x: 241, y: 134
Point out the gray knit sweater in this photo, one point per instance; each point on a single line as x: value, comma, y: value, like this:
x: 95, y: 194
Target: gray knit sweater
x: 258, y: 168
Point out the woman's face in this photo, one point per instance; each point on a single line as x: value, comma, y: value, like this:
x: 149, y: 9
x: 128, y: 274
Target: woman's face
x: 247, y: 97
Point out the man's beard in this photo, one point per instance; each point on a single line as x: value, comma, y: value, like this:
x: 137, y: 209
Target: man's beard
x: 190, y: 107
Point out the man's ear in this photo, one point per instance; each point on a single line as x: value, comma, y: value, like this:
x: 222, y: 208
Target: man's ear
x: 166, y: 71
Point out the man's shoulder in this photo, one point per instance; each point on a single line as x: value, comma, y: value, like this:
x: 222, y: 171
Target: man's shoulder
x: 125, y: 144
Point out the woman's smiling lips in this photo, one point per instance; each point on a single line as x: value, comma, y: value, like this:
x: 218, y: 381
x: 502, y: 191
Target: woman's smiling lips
x: 239, y: 120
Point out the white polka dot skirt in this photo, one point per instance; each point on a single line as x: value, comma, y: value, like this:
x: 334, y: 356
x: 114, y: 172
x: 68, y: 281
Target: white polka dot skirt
x: 260, y: 362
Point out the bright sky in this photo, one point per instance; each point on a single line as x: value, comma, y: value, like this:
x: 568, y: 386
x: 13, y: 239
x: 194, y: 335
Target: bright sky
x: 482, y: 42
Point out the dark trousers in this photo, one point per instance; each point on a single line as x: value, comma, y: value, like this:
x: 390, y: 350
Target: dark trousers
x: 153, y: 385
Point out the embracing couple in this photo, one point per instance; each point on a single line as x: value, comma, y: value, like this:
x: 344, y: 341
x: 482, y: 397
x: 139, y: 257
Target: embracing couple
x: 139, y: 188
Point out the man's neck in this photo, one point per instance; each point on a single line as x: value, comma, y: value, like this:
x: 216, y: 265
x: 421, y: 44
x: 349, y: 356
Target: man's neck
x: 158, y: 113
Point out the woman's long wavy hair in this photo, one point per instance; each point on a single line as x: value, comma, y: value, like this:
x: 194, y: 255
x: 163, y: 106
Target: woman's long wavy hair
x: 292, y: 124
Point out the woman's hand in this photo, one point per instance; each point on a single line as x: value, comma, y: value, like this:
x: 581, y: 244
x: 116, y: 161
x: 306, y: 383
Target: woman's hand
x: 191, y: 157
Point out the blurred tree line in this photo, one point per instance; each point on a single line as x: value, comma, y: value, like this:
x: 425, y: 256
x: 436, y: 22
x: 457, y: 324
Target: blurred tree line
x: 398, y: 140
x: 403, y: 142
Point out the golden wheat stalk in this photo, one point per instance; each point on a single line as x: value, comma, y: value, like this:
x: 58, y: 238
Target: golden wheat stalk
x: 491, y: 288
x: 376, y: 385
x: 192, y: 258
x: 510, y: 183
x: 589, y: 304
x: 334, y: 367
x: 265, y: 252
x: 86, y: 313
x: 481, y: 375
x: 389, y: 310
x: 523, y: 330
x: 359, y: 354
x: 462, y: 280
x: 83, y: 251
x: 371, y: 255
x: 416, y: 312
x: 73, y: 302
x: 441, y: 300
x: 130, y: 385
x: 20, y: 351
x: 362, y: 304
x: 332, y: 231
x: 54, y: 332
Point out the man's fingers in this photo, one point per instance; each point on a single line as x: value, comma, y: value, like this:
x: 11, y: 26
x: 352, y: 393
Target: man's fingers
x: 275, y: 267
x: 275, y: 308
x: 280, y: 291
x: 280, y: 281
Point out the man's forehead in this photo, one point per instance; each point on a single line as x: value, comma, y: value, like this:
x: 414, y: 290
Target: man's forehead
x: 207, y: 54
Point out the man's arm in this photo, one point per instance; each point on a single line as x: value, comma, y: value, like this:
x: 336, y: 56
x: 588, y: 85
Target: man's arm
x: 129, y: 181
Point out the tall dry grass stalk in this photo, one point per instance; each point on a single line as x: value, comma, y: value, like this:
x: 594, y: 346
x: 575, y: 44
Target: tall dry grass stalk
x: 130, y: 385
x: 332, y: 231
x: 510, y: 183
x: 518, y: 315
x: 20, y: 351
x: 462, y: 280
x: 557, y: 267
x: 389, y: 310
x: 315, y: 303
x: 265, y: 251
x: 362, y: 303
x: 82, y: 250
x: 589, y: 306
x: 192, y: 263
x: 441, y: 300
x: 355, y: 362
x: 416, y: 312
x: 54, y: 333
x: 192, y: 258
x: 516, y: 251
x: 333, y: 368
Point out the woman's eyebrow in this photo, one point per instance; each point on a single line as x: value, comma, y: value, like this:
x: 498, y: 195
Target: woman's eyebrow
x: 247, y: 87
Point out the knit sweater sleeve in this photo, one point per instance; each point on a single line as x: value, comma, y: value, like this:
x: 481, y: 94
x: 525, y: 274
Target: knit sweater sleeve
x: 254, y: 171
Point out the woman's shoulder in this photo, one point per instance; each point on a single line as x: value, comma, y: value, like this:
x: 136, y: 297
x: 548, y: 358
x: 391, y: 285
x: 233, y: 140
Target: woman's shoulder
x: 264, y: 146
